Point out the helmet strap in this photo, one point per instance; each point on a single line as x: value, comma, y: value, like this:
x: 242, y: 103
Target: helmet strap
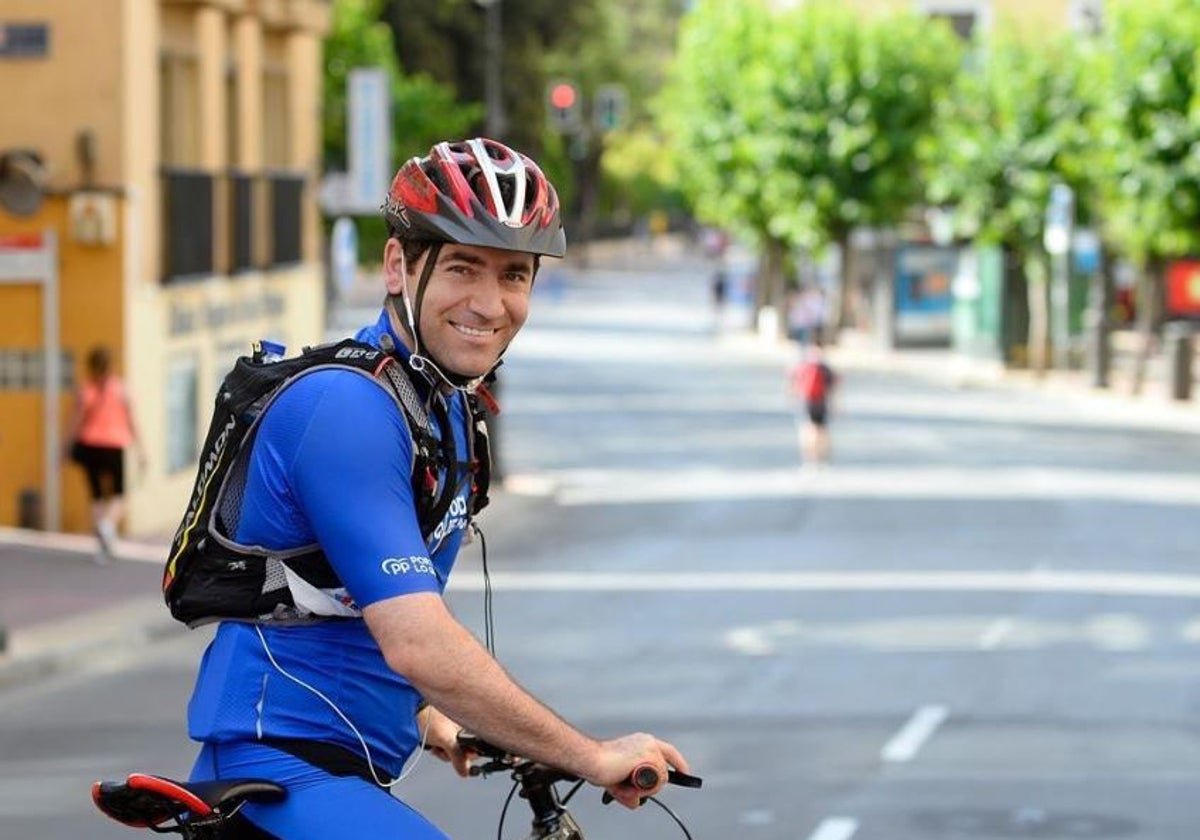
x: 418, y: 360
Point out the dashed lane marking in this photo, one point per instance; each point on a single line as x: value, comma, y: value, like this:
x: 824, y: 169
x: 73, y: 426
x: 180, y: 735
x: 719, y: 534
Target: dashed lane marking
x: 835, y: 828
x: 908, y: 741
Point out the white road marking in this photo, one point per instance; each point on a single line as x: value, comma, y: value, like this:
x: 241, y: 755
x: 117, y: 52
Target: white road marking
x: 1073, y: 583
x: 909, y: 740
x: 627, y: 486
x: 995, y: 634
x: 751, y: 641
x: 835, y: 828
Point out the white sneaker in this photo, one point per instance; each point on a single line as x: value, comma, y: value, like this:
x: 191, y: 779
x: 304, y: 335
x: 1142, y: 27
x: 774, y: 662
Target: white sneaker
x: 106, y: 532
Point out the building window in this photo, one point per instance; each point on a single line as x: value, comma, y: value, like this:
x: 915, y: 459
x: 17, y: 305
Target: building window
x: 182, y: 412
x: 1086, y: 16
x: 232, y: 114
x: 276, y: 119
x: 965, y: 17
x: 179, y: 89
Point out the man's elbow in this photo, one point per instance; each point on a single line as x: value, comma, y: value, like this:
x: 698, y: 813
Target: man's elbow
x: 414, y: 632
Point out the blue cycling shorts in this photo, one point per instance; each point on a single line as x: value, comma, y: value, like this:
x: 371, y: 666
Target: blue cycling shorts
x: 319, y: 806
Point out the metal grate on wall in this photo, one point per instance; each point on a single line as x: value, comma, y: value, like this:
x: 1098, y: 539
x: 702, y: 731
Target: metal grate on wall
x: 25, y: 370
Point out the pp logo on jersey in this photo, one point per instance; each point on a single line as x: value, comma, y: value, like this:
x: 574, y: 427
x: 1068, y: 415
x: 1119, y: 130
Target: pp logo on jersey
x: 407, y: 565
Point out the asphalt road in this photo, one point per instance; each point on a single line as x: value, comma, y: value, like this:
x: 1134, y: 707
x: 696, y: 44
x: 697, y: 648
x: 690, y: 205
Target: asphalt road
x: 980, y: 622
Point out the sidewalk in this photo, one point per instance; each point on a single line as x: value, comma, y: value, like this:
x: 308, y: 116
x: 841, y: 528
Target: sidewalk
x: 59, y: 608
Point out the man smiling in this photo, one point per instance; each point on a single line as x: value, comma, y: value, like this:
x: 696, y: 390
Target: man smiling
x: 333, y: 700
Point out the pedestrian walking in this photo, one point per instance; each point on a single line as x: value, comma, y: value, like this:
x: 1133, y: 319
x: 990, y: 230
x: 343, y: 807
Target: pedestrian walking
x: 812, y: 384
x: 101, y: 429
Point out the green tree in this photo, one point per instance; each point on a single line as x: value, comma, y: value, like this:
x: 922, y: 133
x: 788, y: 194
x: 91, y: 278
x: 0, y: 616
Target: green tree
x: 1015, y: 125
x: 1147, y: 143
x: 799, y: 126
x: 852, y: 99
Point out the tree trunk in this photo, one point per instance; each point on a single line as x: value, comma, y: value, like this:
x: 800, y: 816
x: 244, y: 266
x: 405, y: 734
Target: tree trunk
x: 1038, y: 337
x: 770, y: 290
x: 841, y: 300
x: 1149, y: 312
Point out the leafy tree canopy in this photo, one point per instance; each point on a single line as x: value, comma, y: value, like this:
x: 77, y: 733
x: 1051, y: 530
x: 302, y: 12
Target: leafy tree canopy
x: 1147, y: 128
x: 1015, y: 124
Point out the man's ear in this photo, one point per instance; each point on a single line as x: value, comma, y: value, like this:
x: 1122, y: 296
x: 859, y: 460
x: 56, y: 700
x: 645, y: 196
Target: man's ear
x: 394, y: 266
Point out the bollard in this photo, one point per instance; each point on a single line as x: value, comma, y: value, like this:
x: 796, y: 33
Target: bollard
x: 1177, y: 336
x: 29, y: 509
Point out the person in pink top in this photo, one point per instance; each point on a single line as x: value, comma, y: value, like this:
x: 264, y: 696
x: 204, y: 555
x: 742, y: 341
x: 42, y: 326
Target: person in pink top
x: 102, y: 428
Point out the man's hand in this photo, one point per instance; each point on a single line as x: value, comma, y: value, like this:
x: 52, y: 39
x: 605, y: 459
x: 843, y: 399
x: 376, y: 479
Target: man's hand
x: 441, y: 739
x: 621, y: 756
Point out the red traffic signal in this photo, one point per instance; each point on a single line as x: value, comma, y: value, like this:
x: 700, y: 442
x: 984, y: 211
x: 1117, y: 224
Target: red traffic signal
x: 564, y: 106
x: 563, y: 96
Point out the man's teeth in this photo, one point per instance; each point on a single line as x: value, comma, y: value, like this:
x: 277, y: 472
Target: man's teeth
x: 472, y: 330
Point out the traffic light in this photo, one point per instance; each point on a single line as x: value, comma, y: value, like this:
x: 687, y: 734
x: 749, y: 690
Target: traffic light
x: 563, y: 106
x: 609, y: 108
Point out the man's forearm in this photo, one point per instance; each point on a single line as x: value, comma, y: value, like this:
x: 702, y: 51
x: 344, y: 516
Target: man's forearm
x: 454, y: 673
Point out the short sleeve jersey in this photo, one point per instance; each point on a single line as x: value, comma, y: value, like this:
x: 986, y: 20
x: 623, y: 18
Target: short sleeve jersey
x: 331, y: 464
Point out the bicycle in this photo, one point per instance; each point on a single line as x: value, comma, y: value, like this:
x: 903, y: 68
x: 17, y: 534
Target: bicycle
x: 208, y: 810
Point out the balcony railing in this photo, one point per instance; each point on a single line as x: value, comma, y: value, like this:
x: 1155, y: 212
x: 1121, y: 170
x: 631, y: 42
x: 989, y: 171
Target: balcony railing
x: 241, y: 222
x: 187, y: 224
x: 287, y: 218
x: 260, y: 219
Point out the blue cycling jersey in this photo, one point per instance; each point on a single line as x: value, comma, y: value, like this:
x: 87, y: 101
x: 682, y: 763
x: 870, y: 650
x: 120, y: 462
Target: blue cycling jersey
x: 331, y: 464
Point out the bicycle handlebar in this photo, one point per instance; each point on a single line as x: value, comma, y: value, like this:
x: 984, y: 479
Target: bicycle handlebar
x: 644, y: 776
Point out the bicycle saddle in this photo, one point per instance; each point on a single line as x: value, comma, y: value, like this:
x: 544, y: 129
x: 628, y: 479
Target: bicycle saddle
x: 143, y: 800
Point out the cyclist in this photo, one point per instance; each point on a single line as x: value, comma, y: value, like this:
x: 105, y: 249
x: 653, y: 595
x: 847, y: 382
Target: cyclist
x: 332, y: 709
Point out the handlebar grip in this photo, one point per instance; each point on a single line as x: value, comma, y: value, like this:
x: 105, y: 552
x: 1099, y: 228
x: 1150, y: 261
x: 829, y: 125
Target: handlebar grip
x: 644, y: 777
x: 471, y: 741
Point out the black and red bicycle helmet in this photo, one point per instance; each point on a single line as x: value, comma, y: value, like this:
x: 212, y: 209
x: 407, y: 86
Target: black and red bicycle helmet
x: 477, y: 192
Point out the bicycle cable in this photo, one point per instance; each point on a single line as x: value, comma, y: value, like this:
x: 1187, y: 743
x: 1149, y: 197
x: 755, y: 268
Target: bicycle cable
x: 672, y: 815
x: 404, y: 771
x: 489, y: 616
x: 504, y: 811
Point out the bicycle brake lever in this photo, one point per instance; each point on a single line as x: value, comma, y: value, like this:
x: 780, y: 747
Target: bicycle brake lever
x: 675, y: 777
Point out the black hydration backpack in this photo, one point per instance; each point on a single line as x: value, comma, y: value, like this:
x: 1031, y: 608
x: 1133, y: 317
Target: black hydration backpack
x: 210, y: 577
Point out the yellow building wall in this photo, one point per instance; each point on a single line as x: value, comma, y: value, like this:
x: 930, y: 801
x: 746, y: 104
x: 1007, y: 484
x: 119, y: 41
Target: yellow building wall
x: 90, y: 313
x: 76, y: 87
x: 102, y: 74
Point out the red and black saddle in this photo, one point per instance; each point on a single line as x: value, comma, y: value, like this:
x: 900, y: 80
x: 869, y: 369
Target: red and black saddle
x: 145, y: 801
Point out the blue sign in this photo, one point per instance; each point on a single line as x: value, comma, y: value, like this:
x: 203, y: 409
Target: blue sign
x: 923, y: 296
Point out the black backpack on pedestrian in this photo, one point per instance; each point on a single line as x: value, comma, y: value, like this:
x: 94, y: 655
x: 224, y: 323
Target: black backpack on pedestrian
x: 211, y: 577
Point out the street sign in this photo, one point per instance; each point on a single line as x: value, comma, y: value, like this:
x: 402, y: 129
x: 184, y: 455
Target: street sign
x: 343, y: 255
x: 368, y: 138
x: 610, y: 107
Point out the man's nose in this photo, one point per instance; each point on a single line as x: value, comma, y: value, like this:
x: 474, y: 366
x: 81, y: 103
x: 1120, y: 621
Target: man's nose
x: 488, y: 298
